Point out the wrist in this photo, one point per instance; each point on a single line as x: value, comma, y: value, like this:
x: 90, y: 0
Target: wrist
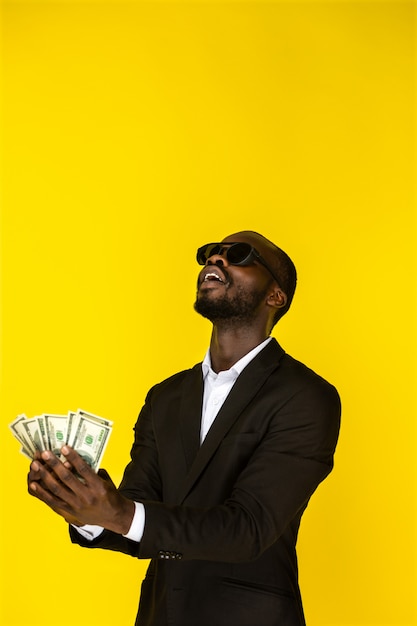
x: 124, y: 517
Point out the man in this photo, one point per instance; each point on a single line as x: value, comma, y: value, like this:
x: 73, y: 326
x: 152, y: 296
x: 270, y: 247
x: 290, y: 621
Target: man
x: 225, y: 458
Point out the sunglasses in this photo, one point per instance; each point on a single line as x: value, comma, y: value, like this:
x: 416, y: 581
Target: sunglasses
x: 235, y: 253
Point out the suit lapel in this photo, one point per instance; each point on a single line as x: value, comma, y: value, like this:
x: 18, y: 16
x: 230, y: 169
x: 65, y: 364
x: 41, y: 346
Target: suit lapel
x: 190, y: 413
x: 246, y: 387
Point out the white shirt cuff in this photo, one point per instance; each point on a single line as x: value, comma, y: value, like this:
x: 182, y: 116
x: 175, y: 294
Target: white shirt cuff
x: 89, y: 531
x: 135, y: 533
x: 138, y: 523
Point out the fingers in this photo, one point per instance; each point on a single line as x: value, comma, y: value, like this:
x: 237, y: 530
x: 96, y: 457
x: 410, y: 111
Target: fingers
x: 66, y: 481
x: 89, y: 499
x: 46, y: 475
x: 34, y: 472
x: 53, y: 482
x: 66, y: 472
x: 37, y: 470
x: 47, y: 493
x: 73, y: 460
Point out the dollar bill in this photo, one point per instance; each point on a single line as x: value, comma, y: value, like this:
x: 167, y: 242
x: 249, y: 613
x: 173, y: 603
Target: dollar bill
x: 42, y: 430
x: 78, y: 416
x: 19, y: 432
x: 90, y: 440
x: 56, y: 428
x: 34, y: 433
x: 85, y: 432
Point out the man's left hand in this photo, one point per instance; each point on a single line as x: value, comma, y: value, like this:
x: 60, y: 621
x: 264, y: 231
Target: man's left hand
x: 91, y: 500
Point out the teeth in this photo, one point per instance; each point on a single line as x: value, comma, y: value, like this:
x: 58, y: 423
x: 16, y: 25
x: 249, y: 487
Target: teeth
x: 212, y: 275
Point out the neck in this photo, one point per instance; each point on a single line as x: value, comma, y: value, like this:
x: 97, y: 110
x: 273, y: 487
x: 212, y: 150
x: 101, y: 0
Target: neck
x: 228, y: 345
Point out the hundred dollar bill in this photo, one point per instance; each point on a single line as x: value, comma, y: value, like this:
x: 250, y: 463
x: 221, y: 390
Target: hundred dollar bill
x: 34, y: 433
x: 56, y: 428
x: 25, y: 453
x: 94, y: 418
x: 84, y: 414
x: 71, y: 419
x: 19, y: 432
x: 76, y: 417
x: 87, y: 433
x: 42, y: 430
x: 90, y: 439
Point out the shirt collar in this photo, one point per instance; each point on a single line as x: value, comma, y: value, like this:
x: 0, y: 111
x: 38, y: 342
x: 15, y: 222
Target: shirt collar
x: 238, y: 367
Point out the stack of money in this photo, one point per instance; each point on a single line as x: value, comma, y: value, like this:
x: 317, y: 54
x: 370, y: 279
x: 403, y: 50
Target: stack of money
x: 86, y: 433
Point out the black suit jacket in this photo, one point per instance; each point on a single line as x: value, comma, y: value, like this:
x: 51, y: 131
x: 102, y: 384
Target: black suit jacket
x: 222, y: 519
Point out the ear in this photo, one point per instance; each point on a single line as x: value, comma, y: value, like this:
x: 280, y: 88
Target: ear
x: 277, y: 298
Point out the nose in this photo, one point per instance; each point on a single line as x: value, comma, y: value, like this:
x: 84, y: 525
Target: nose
x: 218, y: 259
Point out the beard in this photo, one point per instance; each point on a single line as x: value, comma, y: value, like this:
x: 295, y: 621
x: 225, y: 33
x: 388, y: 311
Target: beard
x: 238, y: 310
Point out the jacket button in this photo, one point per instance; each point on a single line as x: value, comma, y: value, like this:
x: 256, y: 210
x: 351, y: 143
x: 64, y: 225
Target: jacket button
x: 169, y: 554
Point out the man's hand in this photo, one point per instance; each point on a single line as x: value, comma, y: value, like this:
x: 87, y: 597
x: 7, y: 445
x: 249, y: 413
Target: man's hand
x: 91, y: 500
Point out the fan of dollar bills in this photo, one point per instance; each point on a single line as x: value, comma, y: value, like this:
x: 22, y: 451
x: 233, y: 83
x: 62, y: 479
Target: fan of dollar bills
x: 86, y: 433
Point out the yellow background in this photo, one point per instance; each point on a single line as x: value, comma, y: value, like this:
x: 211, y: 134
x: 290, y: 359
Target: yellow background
x: 135, y: 132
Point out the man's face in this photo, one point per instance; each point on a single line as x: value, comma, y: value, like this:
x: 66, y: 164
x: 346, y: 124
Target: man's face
x: 231, y: 292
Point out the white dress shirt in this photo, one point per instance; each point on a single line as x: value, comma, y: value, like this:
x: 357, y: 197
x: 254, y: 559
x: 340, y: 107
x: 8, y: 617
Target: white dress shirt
x: 216, y: 389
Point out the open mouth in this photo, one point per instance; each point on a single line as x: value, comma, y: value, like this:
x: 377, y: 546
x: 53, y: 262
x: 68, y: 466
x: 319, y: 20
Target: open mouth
x: 213, y: 277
